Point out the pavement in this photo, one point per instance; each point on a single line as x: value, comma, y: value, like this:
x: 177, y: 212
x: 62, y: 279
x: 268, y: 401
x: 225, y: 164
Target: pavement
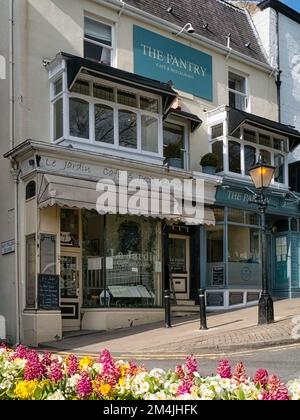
x: 227, y: 331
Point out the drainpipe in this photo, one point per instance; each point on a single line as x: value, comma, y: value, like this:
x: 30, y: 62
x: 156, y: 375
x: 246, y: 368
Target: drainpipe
x: 15, y: 171
x: 11, y: 76
x: 278, y: 79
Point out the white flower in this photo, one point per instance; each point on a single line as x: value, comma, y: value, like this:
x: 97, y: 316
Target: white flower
x: 72, y: 381
x: 57, y: 396
x: 98, y: 368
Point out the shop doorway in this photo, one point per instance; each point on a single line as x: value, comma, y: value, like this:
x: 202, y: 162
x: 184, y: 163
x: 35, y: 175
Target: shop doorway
x: 70, y: 290
x: 179, y: 262
x: 281, y: 261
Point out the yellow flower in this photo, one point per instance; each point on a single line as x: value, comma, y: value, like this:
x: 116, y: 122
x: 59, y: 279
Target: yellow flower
x: 105, y: 389
x: 85, y: 362
x: 26, y: 389
x: 122, y: 382
x: 124, y: 369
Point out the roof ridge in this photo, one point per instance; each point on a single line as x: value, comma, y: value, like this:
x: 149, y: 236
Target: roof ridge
x: 232, y: 6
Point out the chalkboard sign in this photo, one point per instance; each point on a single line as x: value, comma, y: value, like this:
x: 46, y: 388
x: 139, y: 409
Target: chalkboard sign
x: 48, y: 292
x: 218, y: 276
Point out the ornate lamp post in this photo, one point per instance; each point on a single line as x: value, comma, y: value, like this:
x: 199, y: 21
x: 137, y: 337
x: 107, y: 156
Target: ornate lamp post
x: 261, y: 175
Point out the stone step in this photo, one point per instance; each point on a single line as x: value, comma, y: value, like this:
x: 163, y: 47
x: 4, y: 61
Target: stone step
x: 185, y: 302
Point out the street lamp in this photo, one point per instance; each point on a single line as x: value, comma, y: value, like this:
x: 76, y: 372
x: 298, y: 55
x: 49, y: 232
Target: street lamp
x: 261, y: 175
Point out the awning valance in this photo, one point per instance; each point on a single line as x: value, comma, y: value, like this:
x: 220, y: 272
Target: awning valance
x: 192, y: 118
x: 78, y: 65
x: 82, y: 194
x: 236, y: 118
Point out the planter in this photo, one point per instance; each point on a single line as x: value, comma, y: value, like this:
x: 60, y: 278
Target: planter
x: 211, y: 170
x: 174, y: 162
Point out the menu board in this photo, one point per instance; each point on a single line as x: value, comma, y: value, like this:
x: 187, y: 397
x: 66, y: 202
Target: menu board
x: 48, y: 292
x: 218, y: 276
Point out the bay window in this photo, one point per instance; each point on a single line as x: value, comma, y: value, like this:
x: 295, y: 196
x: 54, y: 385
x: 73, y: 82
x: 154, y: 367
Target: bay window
x: 104, y: 124
x: 127, y: 129
x: 149, y: 134
x: 79, y: 118
x: 240, y: 151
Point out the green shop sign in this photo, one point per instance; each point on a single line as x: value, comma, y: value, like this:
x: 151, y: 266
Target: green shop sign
x: 239, y: 197
x: 165, y: 60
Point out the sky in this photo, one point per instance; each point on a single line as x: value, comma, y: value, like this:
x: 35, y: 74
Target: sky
x: 294, y: 4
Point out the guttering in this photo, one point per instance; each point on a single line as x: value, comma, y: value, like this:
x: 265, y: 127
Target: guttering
x: 168, y: 26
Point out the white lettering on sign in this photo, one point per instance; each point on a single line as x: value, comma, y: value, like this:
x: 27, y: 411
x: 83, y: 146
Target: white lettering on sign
x: 173, y: 60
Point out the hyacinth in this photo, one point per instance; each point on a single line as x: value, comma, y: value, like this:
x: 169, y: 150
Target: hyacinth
x: 72, y: 365
x: 185, y: 387
x: 55, y: 372
x: 276, y: 390
x: 261, y: 377
x: 47, y: 359
x: 111, y: 372
x: 191, y: 364
x: 224, y: 369
x: 34, y: 368
x: 180, y: 372
x: 84, y: 386
x: 21, y: 352
x: 240, y: 373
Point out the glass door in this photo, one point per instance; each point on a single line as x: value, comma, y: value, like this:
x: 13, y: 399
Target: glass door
x: 281, y: 254
x: 179, y: 261
x: 70, y: 291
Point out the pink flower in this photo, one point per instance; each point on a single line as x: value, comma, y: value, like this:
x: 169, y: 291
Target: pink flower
x: 275, y: 390
x: 261, y: 377
x: 72, y: 365
x: 185, y: 387
x: 84, y: 386
x: 224, y: 369
x: 47, y: 359
x: 180, y: 372
x: 111, y: 372
x: 55, y: 372
x: 20, y: 353
x: 191, y: 364
x: 239, y: 373
x: 33, y: 368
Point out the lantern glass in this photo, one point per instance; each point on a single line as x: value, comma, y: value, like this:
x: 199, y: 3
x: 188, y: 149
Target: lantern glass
x: 262, y: 175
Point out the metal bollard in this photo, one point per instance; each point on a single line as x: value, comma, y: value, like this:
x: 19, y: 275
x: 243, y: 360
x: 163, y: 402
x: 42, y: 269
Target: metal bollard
x: 203, y: 322
x: 168, y: 309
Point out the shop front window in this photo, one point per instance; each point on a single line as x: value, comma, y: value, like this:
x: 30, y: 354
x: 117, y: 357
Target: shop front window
x: 69, y: 228
x: 215, y: 257
x: 121, y: 261
x: 244, y: 265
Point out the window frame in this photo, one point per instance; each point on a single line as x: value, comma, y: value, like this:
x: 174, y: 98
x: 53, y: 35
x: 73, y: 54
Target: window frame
x: 245, y: 96
x: 187, y: 141
x: 92, y: 101
x: 112, y: 48
x: 226, y: 139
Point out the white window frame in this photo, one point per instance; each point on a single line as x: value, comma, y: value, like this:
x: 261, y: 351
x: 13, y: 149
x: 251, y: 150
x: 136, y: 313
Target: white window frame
x: 245, y: 95
x: 92, y: 101
x: 226, y: 139
x: 186, y: 149
x: 112, y: 48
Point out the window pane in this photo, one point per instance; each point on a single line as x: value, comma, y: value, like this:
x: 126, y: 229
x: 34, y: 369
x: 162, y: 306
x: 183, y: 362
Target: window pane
x: 234, y: 157
x: 98, y: 31
x: 279, y: 164
x: 79, y: 118
x: 250, y: 136
x: 244, y: 266
x: 149, y: 104
x: 104, y: 124
x: 217, y: 149
x: 219, y: 214
x: 58, y: 119
x: 237, y: 101
x: 215, y: 257
x: 252, y: 218
x: 237, y: 82
x: 126, y: 98
x: 174, y: 145
x: 58, y: 86
x: 103, y: 92
x: 97, y: 53
x: 266, y: 156
x: 236, y: 215
x: 237, y: 134
x: 127, y: 129
x: 217, y: 131
x: 280, y: 145
x: 250, y: 158
x: 149, y: 134
x: 81, y: 87
x: 265, y: 140
x: 69, y: 227
x: 31, y: 271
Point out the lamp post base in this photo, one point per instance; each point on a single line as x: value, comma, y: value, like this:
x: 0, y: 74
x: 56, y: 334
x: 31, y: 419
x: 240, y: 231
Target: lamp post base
x: 265, y: 309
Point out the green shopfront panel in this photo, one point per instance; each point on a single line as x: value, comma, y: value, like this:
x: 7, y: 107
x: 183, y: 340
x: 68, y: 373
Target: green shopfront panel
x: 163, y: 59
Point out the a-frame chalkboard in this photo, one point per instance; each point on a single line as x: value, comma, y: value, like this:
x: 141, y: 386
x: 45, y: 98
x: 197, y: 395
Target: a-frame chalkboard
x: 48, y: 292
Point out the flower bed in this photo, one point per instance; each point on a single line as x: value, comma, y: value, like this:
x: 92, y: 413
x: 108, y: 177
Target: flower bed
x: 28, y: 375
